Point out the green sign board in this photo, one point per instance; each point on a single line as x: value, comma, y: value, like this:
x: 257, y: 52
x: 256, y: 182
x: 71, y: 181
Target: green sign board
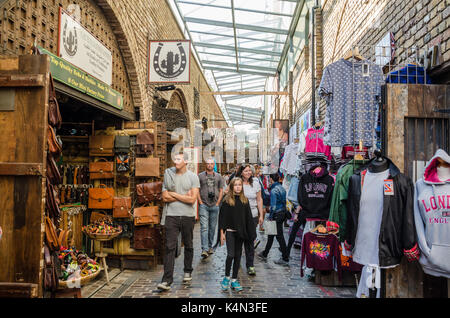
x: 72, y: 76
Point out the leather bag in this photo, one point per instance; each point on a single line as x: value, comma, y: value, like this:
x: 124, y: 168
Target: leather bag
x: 50, y: 235
x: 149, y: 192
x: 101, y: 198
x: 122, y: 162
x: 122, y: 181
x: 122, y: 144
x: 53, y: 174
x: 146, y: 215
x: 54, y: 144
x: 101, y: 145
x: 122, y: 207
x: 54, y: 116
x: 51, y: 280
x: 101, y: 169
x: 146, y: 237
x: 52, y: 201
x: 147, y: 167
x: 145, y: 142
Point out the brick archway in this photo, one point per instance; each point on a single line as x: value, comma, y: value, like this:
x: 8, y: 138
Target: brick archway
x: 178, y: 101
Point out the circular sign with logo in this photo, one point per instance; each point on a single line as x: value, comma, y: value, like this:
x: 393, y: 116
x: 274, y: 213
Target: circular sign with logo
x: 70, y: 39
x: 172, y: 64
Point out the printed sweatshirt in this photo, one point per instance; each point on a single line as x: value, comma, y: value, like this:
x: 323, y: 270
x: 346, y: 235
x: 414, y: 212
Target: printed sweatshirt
x: 432, y: 218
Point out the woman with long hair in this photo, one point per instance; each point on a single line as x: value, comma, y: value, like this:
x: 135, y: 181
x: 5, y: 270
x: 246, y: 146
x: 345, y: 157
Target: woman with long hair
x: 235, y: 227
x: 252, y: 190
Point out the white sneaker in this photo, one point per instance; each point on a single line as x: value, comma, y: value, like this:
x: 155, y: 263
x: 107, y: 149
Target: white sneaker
x: 187, y: 277
x: 163, y: 286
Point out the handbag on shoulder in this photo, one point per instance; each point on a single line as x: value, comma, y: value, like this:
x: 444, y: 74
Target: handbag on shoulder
x: 101, y: 169
x: 149, y: 192
x: 146, y: 215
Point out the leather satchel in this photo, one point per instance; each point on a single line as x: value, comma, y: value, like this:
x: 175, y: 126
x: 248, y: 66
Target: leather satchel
x: 101, y: 145
x: 53, y: 174
x: 146, y: 215
x: 54, y: 144
x: 144, y: 143
x: 101, y: 198
x: 149, y: 192
x: 51, y: 280
x: 50, y: 234
x: 122, y: 162
x: 52, y: 201
x: 101, y: 169
x: 122, y: 207
x: 54, y: 116
x: 122, y: 144
x: 122, y: 181
x: 146, y: 237
x: 147, y: 167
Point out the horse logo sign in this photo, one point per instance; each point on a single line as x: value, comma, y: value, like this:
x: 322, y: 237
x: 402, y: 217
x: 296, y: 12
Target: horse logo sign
x: 169, y: 62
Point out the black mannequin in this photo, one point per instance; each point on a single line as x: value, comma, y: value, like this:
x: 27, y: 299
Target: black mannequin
x: 378, y: 164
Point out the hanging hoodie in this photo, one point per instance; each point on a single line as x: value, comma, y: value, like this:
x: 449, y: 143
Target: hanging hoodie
x: 315, y: 189
x: 432, y: 218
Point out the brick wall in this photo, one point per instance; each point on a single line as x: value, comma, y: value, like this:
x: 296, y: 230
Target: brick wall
x: 347, y: 23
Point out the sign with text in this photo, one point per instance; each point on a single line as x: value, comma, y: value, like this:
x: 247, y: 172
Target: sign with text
x: 169, y: 62
x: 79, y: 47
x: 72, y: 76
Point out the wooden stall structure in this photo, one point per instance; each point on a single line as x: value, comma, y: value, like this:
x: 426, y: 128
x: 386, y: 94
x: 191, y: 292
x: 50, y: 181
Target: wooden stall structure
x: 24, y: 85
x: 416, y: 126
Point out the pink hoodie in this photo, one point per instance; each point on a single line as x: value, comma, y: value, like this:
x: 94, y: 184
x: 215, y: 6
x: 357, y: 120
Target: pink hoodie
x: 314, y: 142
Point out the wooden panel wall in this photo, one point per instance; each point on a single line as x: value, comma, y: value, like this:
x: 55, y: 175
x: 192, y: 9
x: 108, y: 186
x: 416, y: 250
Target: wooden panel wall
x: 23, y: 132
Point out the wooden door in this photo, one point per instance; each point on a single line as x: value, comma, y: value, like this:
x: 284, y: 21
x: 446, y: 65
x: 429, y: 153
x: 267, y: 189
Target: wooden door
x: 23, y: 123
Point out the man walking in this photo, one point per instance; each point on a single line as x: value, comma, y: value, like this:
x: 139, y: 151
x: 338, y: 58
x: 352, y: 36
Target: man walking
x: 210, y: 196
x: 179, y: 192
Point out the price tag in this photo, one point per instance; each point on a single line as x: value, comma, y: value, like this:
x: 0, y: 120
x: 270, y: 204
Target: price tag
x: 389, y: 187
x: 365, y: 70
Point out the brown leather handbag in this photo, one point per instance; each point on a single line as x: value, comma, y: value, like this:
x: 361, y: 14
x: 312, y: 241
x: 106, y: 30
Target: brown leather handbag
x: 54, y: 116
x: 50, y: 234
x: 101, y: 198
x: 101, y: 169
x: 148, y: 192
x: 147, y: 167
x: 122, y: 207
x: 53, y: 174
x: 101, y: 145
x: 145, y: 142
x: 146, y: 237
x: 54, y: 145
x: 146, y: 215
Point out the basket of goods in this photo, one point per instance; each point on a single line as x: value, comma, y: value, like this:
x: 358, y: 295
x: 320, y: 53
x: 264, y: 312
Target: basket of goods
x: 102, y: 230
x: 77, y: 268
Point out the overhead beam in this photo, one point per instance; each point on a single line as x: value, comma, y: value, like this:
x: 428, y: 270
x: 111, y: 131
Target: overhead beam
x: 214, y: 68
x: 250, y: 88
x: 260, y: 68
x: 235, y: 39
x: 242, y: 82
x: 239, y: 37
x: 238, y: 26
x: 230, y: 48
x: 242, y: 57
x: 245, y: 110
x: 243, y: 93
x: 237, y: 9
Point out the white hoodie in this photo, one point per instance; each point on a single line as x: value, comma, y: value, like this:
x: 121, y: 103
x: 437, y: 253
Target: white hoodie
x: 432, y: 219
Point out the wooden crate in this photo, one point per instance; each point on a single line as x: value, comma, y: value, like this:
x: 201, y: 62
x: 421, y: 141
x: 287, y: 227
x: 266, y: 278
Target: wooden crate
x: 330, y: 278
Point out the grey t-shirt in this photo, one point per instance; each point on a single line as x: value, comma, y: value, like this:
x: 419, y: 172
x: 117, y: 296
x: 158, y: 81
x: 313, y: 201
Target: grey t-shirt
x: 366, y: 249
x: 210, y: 183
x: 183, y: 183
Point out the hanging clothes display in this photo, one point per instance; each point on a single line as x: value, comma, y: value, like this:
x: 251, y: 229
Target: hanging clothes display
x: 348, y: 86
x: 380, y: 209
x: 314, y: 145
x: 289, y: 164
x: 338, y: 209
x: 432, y: 216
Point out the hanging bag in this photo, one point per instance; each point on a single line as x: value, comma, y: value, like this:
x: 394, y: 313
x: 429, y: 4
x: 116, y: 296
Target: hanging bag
x: 122, y: 144
x: 101, y: 169
x: 122, y: 162
x: 101, y: 198
x: 149, y: 192
x: 122, y: 207
x: 145, y: 143
x: 146, y: 215
x: 101, y: 145
x: 147, y: 167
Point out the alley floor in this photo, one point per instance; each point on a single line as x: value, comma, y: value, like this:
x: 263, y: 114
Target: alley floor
x: 270, y: 281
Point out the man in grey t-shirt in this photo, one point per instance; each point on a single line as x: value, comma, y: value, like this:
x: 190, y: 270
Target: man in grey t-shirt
x: 179, y: 192
x: 210, y: 196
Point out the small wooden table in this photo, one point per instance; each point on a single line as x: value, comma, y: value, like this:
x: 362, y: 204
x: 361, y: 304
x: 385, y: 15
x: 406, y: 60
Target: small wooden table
x: 103, y: 257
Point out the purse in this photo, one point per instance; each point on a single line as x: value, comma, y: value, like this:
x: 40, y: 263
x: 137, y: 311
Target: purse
x: 54, y: 116
x: 122, y: 181
x: 122, y: 144
x: 146, y: 215
x: 101, y: 198
x: 144, y: 143
x: 54, y: 144
x: 50, y: 234
x: 122, y: 207
x: 101, y: 170
x: 146, y: 237
x: 51, y: 280
x: 101, y: 145
x: 99, y: 216
x: 270, y: 227
x: 122, y: 163
x: 147, y: 167
x: 148, y: 192
x: 53, y: 174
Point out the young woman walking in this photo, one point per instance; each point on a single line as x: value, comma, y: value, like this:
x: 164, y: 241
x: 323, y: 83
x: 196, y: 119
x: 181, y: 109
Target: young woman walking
x: 236, y: 226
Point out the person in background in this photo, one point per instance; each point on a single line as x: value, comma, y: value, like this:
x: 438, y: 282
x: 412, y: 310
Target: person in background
x: 278, y: 214
x: 264, y: 193
x: 209, y: 198
x: 179, y: 217
x: 252, y: 190
x: 236, y: 226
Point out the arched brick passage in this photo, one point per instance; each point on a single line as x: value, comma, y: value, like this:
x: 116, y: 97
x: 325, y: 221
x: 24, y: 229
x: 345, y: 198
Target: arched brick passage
x: 178, y: 101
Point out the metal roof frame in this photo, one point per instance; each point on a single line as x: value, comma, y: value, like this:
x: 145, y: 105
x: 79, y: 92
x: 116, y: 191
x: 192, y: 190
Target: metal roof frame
x: 237, y: 9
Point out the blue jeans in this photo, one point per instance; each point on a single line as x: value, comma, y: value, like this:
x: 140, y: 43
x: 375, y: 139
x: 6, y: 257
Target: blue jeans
x: 208, y: 221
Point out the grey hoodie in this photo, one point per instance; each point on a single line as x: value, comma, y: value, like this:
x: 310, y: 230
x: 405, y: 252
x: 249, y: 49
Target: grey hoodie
x: 432, y: 219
